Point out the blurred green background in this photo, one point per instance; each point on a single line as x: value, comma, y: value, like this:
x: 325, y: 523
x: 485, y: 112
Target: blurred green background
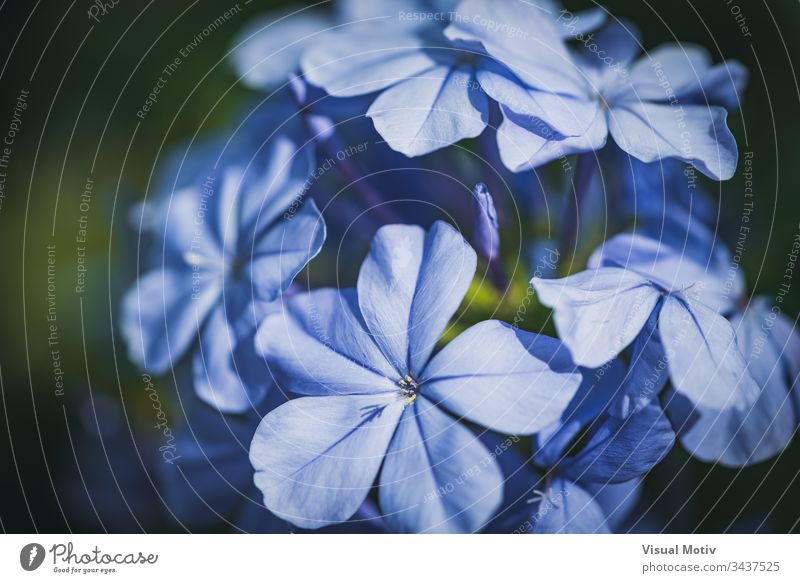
x: 85, y: 81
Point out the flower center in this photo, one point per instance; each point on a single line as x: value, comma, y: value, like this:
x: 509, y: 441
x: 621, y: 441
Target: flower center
x: 409, y: 387
x: 601, y: 101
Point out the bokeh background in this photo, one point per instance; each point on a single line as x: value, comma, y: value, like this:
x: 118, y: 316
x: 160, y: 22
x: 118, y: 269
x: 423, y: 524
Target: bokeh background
x: 71, y: 457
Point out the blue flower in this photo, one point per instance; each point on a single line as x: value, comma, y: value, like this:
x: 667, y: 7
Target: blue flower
x: 741, y: 437
x: 186, y: 166
x: 427, y: 77
x: 376, y: 398
x: 231, y: 244
x: 658, y: 106
x: 637, y: 286
x: 592, y: 461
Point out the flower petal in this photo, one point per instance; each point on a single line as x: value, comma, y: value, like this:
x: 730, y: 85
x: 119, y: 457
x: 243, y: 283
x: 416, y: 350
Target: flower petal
x: 220, y: 378
x: 614, y: 46
x: 275, y: 182
x: 690, y: 75
x: 723, y: 84
x: 568, y: 509
x: 187, y: 229
x: 164, y: 312
x: 572, y: 26
x: 616, y: 500
x: 524, y: 37
x: 430, y: 111
x: 596, y: 393
x: 268, y: 48
x: 621, y: 450
x: 528, y: 142
x: 316, y: 458
x: 356, y: 62
x: 696, y: 134
x: 284, y: 250
x: 438, y: 476
x: 566, y: 115
x: 705, y: 362
x: 700, y: 263
x: 598, y: 313
x: 409, y: 286
x: 734, y: 437
x: 503, y: 378
x: 320, y: 345
x: 680, y: 64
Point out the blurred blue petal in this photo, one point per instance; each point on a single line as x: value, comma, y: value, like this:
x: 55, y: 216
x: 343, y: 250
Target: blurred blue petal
x: 382, y: 10
x: 691, y: 76
x: 619, y: 39
x: 161, y: 317
x: 616, y: 500
x: 284, y: 250
x: 267, y: 50
x: 220, y: 379
x: 355, y: 62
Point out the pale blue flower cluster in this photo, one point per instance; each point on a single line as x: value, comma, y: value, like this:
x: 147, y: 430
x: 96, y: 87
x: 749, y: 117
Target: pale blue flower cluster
x: 391, y: 398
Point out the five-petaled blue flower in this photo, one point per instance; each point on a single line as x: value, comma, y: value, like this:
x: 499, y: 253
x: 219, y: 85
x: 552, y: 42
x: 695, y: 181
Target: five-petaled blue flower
x: 232, y: 242
x: 560, y: 102
x: 640, y: 289
x: 377, y: 400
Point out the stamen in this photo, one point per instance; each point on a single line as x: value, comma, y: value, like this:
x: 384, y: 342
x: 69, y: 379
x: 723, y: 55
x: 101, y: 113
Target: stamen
x: 408, y: 388
x: 537, y: 498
